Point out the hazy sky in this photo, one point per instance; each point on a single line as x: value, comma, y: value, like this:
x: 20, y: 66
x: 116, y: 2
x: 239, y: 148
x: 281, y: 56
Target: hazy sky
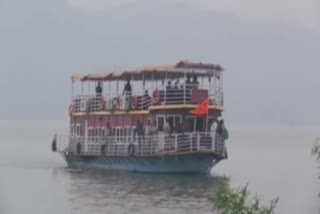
x: 270, y: 51
x: 300, y: 12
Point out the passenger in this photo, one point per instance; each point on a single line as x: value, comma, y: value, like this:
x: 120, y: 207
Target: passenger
x: 127, y: 88
x: 127, y: 92
x: 220, y: 127
x: 169, y: 92
x: 139, y: 129
x: 179, y: 128
x: 188, y: 88
x: 99, y: 89
x: 176, y: 84
x: 188, y: 83
x: 187, y: 126
x: 153, y: 127
x: 146, y: 102
x: 108, y: 129
x: 213, y: 126
x: 195, y: 82
x: 169, y: 86
x: 167, y: 127
x: 140, y: 134
x: 147, y: 129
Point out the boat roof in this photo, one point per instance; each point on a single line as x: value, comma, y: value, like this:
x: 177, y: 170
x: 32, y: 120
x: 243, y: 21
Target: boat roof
x: 156, y: 72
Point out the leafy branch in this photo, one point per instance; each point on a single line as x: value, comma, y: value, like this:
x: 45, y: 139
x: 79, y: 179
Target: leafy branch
x: 239, y: 201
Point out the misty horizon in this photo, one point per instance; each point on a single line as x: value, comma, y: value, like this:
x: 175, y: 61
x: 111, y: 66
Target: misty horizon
x: 270, y: 73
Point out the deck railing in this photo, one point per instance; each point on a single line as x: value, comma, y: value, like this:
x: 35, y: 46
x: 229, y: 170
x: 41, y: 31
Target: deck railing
x: 141, y: 101
x: 159, y: 144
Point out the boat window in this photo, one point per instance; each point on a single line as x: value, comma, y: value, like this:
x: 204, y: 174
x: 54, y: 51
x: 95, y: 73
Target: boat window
x: 176, y: 120
x: 78, y: 130
x: 173, y: 120
x: 129, y: 131
x: 190, y: 124
x: 121, y: 134
x: 118, y: 134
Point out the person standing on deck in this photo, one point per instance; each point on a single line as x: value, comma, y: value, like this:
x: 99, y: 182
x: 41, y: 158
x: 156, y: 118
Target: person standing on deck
x: 140, y: 134
x: 99, y: 89
x: 167, y: 127
x: 188, y: 88
x: 108, y: 130
x: 213, y: 126
x: 127, y: 92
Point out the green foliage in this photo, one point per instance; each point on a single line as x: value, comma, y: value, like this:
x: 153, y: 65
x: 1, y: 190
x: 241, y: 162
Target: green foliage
x: 239, y: 201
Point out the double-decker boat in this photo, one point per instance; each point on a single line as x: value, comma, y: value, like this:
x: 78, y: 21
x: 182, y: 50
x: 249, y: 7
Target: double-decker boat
x: 158, y: 119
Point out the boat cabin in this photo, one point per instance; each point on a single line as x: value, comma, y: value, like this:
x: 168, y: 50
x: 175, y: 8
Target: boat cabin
x: 121, y: 104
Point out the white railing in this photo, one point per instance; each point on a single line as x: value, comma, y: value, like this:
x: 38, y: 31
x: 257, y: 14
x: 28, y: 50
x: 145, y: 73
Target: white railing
x: 142, y: 101
x: 159, y: 144
x: 217, y: 97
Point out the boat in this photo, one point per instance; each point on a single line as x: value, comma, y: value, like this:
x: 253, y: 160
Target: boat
x: 155, y: 119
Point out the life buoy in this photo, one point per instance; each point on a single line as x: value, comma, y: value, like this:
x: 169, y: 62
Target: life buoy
x: 103, y: 149
x: 156, y: 97
x: 102, y: 103
x: 134, y: 102
x: 54, y: 145
x: 78, y: 148
x: 131, y: 149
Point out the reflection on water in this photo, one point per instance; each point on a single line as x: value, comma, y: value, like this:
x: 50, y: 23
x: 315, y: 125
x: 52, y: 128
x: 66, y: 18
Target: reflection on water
x: 139, y: 193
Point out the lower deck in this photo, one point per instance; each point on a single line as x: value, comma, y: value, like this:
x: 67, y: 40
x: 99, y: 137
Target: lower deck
x: 160, y: 144
x: 183, y: 163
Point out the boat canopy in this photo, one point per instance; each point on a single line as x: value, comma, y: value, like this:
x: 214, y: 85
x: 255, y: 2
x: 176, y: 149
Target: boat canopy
x: 161, y: 72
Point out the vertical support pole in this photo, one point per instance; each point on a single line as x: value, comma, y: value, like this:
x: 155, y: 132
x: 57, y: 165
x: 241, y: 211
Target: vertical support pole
x: 213, y: 135
x: 198, y: 141
x: 202, y: 82
x: 86, y: 135
x: 143, y: 91
x: 165, y: 89
x: 109, y: 91
x: 152, y: 88
x: 207, y: 119
x: 81, y: 88
x: 184, y: 89
x: 176, y: 143
x: 222, y: 96
x: 210, y: 87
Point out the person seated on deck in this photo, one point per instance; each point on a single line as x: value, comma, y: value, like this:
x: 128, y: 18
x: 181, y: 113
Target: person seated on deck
x: 146, y: 101
x: 169, y: 92
x: 188, y: 84
x: 169, y: 86
x: 99, y: 89
x: 195, y: 82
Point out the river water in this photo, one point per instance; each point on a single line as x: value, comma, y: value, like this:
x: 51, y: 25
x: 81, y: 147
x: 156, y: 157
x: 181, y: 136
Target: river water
x: 273, y: 160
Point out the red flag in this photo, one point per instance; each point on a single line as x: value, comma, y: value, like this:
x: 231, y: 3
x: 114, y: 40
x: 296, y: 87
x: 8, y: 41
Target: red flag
x: 202, y: 109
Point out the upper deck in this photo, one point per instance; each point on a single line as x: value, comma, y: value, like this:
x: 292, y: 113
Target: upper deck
x: 167, y: 87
